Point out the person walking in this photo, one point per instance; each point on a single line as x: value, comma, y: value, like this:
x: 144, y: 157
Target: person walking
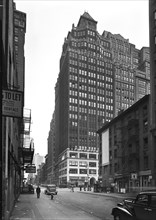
x: 72, y: 188
x: 38, y: 191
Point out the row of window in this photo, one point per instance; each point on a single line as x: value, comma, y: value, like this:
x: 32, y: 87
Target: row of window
x: 82, y: 163
x: 109, y: 111
x: 82, y: 171
x: 90, y: 82
x: 124, y: 86
x: 84, y: 44
x: 92, y: 33
x: 91, y: 60
x: 84, y: 58
x: 82, y: 155
x: 76, y: 171
x: 92, y: 104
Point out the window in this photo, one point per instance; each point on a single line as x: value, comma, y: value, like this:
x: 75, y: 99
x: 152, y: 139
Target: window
x: 73, y: 171
x: 155, y: 18
x: 83, y: 155
x: 115, y: 153
x: 92, y: 156
x: 83, y: 164
x: 83, y: 171
x: 142, y: 200
x: 92, y: 164
x: 73, y: 163
x: 146, y: 162
x: 145, y: 142
x: 145, y: 125
x: 92, y: 171
x: 73, y: 155
x: 16, y: 38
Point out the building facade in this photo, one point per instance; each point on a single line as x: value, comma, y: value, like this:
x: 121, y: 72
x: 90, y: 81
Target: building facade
x: 126, y: 151
x: 152, y: 32
x: 97, y: 80
x: 15, y: 155
x: 51, y: 153
x: 38, y: 160
x: 78, y: 167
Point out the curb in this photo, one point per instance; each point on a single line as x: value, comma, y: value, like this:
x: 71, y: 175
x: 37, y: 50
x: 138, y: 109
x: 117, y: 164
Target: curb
x: 122, y: 196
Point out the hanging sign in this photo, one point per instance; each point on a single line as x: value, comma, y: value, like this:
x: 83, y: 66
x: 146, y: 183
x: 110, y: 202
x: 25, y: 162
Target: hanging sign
x: 31, y: 169
x: 12, y: 103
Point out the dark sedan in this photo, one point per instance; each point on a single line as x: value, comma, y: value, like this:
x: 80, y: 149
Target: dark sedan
x: 28, y: 189
x: 143, y: 207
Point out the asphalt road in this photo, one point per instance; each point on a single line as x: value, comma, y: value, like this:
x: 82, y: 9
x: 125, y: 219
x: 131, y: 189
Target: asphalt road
x: 69, y: 205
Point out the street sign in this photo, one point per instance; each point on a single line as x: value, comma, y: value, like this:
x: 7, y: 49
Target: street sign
x: 12, y: 103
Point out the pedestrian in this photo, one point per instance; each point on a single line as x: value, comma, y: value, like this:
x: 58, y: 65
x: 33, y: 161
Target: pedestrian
x: 38, y: 191
x: 72, y: 188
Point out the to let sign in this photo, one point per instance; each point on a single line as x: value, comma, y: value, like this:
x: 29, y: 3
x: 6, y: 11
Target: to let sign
x: 12, y: 104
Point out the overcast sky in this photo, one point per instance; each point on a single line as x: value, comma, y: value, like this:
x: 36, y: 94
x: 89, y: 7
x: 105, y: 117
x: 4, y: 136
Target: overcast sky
x: 48, y: 23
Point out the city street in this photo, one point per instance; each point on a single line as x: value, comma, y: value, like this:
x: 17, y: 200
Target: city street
x: 66, y: 205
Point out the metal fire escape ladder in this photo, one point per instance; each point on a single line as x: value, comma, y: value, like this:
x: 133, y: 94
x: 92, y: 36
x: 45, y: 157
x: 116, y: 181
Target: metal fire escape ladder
x: 27, y: 148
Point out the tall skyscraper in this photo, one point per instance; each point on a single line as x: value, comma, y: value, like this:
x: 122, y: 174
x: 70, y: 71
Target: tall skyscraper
x: 97, y: 79
x: 38, y: 160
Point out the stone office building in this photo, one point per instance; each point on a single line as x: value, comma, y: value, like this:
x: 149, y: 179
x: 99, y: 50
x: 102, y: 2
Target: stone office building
x: 97, y: 79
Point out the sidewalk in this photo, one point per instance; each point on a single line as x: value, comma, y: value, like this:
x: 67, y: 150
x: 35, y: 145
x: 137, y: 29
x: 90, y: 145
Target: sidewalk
x: 22, y: 209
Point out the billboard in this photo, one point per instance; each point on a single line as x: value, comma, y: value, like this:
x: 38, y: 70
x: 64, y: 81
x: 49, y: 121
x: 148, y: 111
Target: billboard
x: 12, y: 103
x: 105, y: 147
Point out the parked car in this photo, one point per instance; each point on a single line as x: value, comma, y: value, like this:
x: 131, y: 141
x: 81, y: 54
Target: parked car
x: 143, y: 207
x: 27, y: 189
x: 51, y: 189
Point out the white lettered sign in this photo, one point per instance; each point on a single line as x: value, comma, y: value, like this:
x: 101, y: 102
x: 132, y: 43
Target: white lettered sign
x: 12, y: 103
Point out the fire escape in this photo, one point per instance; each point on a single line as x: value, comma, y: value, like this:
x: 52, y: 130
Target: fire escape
x: 27, y: 146
x: 128, y: 148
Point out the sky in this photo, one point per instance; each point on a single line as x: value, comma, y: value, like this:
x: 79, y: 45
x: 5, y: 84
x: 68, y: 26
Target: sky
x: 47, y: 24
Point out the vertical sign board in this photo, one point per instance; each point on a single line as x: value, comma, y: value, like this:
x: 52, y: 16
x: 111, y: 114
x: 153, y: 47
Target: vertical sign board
x: 12, y: 103
x: 105, y: 147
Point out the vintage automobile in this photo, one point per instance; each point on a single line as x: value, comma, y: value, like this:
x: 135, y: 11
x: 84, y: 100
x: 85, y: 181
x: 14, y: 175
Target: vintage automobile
x: 27, y: 189
x: 143, y: 207
x: 50, y: 189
